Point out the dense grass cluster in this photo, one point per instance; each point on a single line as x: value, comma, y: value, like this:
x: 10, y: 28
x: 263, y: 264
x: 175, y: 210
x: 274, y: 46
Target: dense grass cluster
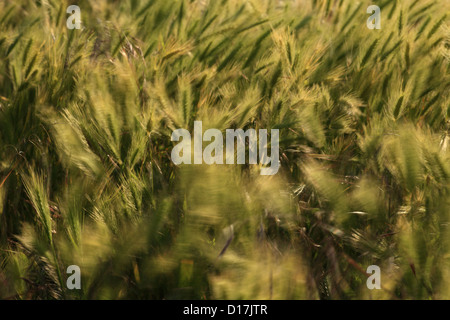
x: 86, y: 177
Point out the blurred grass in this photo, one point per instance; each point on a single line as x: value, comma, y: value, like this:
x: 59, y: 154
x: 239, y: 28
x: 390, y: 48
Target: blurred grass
x: 86, y: 178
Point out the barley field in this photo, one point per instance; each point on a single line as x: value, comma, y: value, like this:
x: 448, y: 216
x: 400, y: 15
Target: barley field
x: 87, y: 180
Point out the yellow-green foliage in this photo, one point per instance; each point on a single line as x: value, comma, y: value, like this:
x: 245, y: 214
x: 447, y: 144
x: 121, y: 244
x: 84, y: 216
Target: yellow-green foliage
x: 86, y: 178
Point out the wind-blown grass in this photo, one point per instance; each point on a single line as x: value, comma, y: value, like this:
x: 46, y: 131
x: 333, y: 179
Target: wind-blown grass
x: 86, y: 177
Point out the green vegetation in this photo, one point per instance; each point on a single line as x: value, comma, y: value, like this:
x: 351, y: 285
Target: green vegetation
x: 86, y: 178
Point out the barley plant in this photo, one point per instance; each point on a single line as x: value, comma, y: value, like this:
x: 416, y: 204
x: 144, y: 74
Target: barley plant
x: 86, y: 177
